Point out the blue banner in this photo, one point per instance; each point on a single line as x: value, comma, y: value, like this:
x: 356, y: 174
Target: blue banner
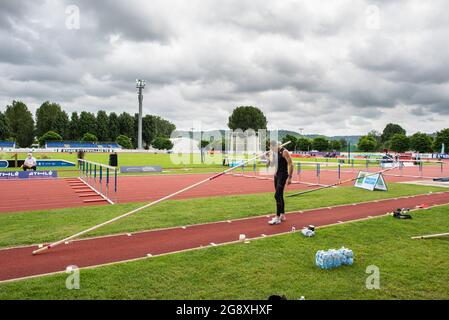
x: 54, y: 163
x: 125, y: 169
x: 5, y: 175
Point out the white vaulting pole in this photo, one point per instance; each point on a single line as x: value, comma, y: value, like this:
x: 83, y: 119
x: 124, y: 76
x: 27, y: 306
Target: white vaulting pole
x: 432, y: 236
x: 149, y: 204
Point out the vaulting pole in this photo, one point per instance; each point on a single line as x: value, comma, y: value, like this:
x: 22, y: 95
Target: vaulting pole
x: 432, y: 236
x: 149, y: 204
x: 339, y: 183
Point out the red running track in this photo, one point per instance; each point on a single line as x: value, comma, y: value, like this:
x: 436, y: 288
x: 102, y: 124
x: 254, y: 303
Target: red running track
x: 19, y: 262
x: 51, y: 194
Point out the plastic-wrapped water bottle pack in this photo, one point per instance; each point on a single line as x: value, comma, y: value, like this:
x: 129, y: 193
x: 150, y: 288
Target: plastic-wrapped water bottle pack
x: 307, y: 232
x: 334, y: 258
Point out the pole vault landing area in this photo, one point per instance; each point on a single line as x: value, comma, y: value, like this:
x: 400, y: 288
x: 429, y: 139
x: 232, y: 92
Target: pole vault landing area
x: 18, y: 263
x: 430, y: 183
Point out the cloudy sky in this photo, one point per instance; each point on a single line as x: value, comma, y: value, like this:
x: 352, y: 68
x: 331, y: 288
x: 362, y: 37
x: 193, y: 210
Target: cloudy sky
x: 330, y: 67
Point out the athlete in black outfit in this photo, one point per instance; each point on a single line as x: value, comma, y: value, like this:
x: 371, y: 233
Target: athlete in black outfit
x: 283, y: 176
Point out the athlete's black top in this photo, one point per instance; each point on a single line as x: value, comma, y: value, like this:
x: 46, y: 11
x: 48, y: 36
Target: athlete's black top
x: 282, y: 165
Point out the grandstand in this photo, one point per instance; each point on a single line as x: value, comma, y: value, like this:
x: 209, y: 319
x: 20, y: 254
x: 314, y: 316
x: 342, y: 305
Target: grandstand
x: 7, y: 144
x: 74, y: 146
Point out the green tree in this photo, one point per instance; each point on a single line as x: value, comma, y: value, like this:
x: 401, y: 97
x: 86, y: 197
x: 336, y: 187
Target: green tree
x: 164, y: 128
x: 62, y: 124
x: 335, y: 145
x: 114, y: 127
x: 89, y: 137
x: 367, y: 144
x: 441, y: 137
x: 378, y: 137
x: 124, y: 142
x: 126, y: 124
x: 247, y: 118
x: 102, y: 131
x: 162, y: 143
x: 87, y: 123
x: 148, y: 129
x: 21, y: 123
x: 5, y: 130
x: 303, y: 144
x: 390, y: 130
x: 421, y: 142
x: 343, y: 144
x: 74, y: 130
x: 46, y: 118
x: 293, y: 142
x: 49, y: 136
x: 320, y: 144
x: 399, y: 142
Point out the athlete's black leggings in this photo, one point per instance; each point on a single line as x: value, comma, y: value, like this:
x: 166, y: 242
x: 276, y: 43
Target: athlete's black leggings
x: 279, y: 184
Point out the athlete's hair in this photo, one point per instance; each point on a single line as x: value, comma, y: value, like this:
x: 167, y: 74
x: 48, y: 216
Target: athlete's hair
x: 274, y: 144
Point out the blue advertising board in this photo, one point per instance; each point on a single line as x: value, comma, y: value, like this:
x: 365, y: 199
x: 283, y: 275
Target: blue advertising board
x: 54, y: 163
x: 49, y: 163
x: 6, y: 175
x: 125, y: 169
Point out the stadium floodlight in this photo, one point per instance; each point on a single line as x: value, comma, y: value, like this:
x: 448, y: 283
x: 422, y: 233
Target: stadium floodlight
x: 140, y: 85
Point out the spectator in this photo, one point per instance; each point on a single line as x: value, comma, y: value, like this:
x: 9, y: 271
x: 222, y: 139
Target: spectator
x: 30, y: 163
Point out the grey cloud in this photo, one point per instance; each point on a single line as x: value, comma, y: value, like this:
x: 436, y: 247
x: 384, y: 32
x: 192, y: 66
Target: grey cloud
x: 304, y: 63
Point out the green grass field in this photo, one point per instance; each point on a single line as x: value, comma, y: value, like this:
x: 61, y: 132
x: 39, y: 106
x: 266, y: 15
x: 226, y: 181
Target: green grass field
x: 409, y: 269
x: 49, y: 225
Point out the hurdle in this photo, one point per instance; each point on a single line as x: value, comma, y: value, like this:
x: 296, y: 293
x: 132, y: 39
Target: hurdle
x: 101, y: 178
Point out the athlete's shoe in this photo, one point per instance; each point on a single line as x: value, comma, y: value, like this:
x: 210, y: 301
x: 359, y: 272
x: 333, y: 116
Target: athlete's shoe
x: 274, y: 221
x: 283, y: 217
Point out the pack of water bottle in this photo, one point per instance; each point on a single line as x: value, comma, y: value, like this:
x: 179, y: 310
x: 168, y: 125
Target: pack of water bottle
x: 334, y: 258
x: 308, y: 231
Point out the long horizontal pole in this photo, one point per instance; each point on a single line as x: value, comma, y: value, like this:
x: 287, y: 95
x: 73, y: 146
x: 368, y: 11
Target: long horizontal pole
x: 149, y: 204
x: 98, y: 164
x: 339, y: 183
x: 438, y: 235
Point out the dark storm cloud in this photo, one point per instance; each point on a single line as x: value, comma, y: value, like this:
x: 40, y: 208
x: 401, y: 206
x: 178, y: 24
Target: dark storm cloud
x: 316, y: 65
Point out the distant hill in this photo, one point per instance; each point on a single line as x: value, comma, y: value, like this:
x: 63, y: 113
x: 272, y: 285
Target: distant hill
x: 282, y: 133
x: 352, y: 139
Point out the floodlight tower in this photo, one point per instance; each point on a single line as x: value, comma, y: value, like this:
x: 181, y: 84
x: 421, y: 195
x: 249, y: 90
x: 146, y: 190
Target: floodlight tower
x: 140, y: 85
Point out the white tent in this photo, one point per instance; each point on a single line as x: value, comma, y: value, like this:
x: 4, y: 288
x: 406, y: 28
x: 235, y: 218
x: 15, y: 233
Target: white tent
x: 185, y: 145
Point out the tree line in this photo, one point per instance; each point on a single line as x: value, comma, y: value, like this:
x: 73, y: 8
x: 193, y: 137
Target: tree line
x: 52, y: 123
x: 395, y: 138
